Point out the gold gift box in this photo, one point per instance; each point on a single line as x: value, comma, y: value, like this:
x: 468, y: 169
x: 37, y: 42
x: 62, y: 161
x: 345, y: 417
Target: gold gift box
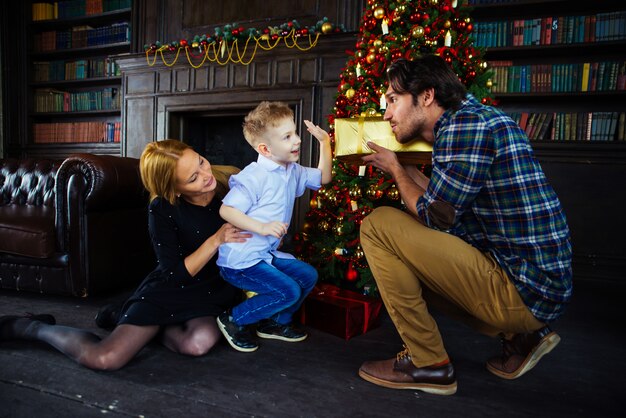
x: 352, y: 135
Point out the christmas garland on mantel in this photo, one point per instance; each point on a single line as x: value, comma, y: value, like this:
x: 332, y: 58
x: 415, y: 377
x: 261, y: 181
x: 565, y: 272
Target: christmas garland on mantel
x: 237, y: 45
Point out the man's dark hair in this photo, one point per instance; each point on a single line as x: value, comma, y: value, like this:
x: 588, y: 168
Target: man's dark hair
x: 423, y: 73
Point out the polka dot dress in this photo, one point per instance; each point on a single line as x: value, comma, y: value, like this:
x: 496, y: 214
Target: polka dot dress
x: 170, y: 295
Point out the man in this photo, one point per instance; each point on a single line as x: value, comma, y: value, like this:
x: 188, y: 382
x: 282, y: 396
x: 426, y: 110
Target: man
x: 485, y: 239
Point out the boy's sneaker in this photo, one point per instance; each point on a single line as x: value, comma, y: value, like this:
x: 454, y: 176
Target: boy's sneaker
x: 271, y: 329
x: 237, y: 336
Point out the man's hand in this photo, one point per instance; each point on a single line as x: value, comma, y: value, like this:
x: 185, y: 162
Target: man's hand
x: 382, y: 158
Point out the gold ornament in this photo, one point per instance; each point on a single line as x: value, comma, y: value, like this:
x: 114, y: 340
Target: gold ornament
x: 373, y: 192
x: 360, y: 53
x: 400, y: 9
x: 489, y: 83
x: 358, y: 253
x: 377, y: 43
x: 313, y: 203
x: 371, y: 58
x: 393, y: 193
x: 323, y: 226
x: 417, y: 31
x: 379, y: 12
x: 338, y: 229
x: 371, y: 112
x: 434, y: 2
x: 350, y: 93
x: 355, y: 192
x: 447, y: 24
x: 327, y: 28
x: 383, y: 49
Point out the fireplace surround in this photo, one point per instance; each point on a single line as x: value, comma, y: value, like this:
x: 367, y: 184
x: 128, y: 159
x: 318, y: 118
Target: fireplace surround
x: 205, y: 106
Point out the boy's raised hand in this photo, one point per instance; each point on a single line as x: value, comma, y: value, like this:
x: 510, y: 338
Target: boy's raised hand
x: 316, y: 131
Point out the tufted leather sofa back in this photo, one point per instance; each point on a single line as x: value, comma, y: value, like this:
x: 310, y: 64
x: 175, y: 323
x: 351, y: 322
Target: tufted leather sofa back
x: 28, y: 182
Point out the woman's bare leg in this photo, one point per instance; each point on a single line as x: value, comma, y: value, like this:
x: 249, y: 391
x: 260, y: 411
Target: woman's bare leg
x: 194, y: 338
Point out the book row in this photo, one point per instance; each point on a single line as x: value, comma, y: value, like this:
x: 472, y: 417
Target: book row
x: 610, y: 26
x: 75, y: 69
x: 558, y: 78
x: 81, y: 37
x: 49, y: 100
x: 67, y: 132
x: 76, y: 8
x: 584, y: 126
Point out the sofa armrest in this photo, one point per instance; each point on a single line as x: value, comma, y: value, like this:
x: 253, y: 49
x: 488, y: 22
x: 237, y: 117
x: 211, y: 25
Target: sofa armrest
x: 87, y: 183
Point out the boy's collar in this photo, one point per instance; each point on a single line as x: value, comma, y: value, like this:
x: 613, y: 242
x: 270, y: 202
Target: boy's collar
x: 268, y: 163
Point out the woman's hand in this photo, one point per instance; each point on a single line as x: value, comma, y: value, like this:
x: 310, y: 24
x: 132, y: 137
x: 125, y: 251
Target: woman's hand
x: 230, y: 233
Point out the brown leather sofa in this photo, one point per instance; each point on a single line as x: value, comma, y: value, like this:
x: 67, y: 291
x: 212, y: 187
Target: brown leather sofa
x: 73, y: 227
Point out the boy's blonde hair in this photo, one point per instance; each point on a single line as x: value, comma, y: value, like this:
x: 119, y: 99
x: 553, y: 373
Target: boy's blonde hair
x: 157, y: 167
x: 264, y: 115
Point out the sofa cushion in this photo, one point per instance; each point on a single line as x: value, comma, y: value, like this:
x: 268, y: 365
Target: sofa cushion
x: 27, y: 230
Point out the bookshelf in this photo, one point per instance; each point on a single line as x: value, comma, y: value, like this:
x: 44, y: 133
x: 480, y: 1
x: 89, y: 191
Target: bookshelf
x: 560, y: 72
x: 74, y: 87
x: 560, y: 63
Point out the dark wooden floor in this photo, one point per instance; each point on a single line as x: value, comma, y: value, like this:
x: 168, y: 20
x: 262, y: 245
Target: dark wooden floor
x: 318, y: 377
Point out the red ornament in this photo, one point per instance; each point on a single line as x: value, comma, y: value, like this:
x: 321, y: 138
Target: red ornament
x: 351, y: 273
x: 183, y: 43
x: 370, y: 24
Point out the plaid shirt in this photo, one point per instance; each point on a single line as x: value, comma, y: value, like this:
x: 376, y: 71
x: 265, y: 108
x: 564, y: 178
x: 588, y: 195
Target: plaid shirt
x: 483, y: 165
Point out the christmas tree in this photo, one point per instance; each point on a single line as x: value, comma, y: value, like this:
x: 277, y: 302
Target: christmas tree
x: 390, y: 29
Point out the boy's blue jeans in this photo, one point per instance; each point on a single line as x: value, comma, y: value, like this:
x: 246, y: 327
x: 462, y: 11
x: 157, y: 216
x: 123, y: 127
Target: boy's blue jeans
x: 280, y: 289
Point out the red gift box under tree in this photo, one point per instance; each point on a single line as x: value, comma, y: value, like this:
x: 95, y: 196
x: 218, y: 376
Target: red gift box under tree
x: 340, y: 312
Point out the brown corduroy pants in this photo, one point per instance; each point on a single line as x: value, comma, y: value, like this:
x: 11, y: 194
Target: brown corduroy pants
x: 417, y: 268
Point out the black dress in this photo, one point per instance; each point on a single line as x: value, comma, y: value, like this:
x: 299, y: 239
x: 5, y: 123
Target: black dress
x: 170, y: 295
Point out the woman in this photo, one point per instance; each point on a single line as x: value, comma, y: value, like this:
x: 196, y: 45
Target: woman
x: 183, y: 295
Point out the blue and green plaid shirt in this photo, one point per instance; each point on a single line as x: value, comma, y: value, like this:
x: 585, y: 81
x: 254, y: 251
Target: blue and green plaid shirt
x: 483, y: 165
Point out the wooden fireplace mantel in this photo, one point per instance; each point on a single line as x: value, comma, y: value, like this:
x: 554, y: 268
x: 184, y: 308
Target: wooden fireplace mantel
x: 307, y: 80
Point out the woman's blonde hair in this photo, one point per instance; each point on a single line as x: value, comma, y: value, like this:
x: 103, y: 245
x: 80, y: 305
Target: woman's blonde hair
x: 157, y: 167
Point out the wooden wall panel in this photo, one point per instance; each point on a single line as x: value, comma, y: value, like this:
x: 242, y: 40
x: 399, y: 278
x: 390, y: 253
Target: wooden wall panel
x: 201, y: 79
x: 182, y: 79
x: 169, y: 20
x: 164, y: 81
x: 140, y: 83
x: 138, y: 125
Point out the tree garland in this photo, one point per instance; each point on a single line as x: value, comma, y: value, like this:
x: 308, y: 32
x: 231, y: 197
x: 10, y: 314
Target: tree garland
x: 237, y: 45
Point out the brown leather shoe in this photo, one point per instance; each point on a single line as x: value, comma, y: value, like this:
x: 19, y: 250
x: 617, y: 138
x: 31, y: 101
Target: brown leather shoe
x: 400, y: 373
x: 522, y: 353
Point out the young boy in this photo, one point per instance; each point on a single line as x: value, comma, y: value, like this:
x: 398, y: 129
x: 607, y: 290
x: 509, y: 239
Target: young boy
x: 260, y: 201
